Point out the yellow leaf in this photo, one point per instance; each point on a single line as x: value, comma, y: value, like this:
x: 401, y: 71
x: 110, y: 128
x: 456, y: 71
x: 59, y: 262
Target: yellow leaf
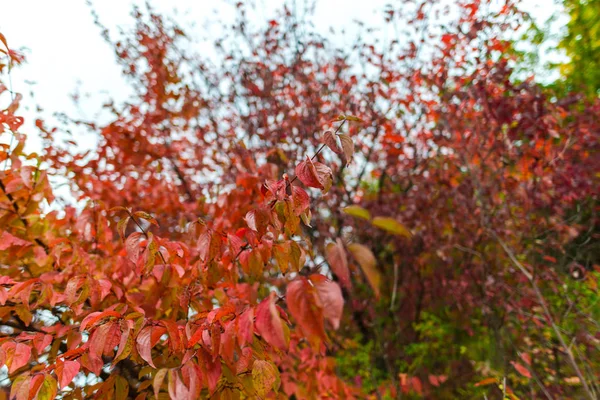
x: 265, y: 377
x: 365, y: 258
x: 573, y: 380
x: 48, y: 389
x: 391, y: 225
x: 357, y: 211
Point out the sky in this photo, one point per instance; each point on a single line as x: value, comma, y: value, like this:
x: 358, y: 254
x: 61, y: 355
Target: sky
x: 65, y: 52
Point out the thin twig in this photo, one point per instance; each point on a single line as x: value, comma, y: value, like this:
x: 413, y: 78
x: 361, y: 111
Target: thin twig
x: 542, y: 302
x: 392, y: 303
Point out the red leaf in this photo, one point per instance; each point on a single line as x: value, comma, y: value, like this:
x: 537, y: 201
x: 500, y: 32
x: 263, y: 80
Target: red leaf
x: 300, y: 200
x: 215, y: 339
x: 228, y: 342
x: 209, y: 245
x: 66, y: 371
x: 307, y: 173
x: 235, y: 244
x: 348, y: 148
x: 269, y: 324
x: 41, y: 341
x: 331, y: 299
x: 212, y: 371
x: 526, y: 357
x: 98, y: 340
x: 184, y: 386
x: 132, y: 244
x: 437, y: 380
x: 7, y: 240
x: 195, y: 338
x: 258, y: 220
x: 144, y: 345
x: 175, y: 343
x: 125, y: 343
x: 244, y: 361
x: 325, y: 175
x: 304, y: 305
x: 91, y: 363
x: 338, y: 261
x: 20, y: 356
x: 447, y: 38
x: 23, y: 290
x: 330, y: 140
x: 245, y: 323
x: 415, y: 384
x: 521, y: 369
x: 314, y: 174
x: 113, y: 338
x: 94, y: 317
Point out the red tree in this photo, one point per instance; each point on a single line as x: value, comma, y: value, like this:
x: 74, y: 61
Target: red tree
x: 447, y: 200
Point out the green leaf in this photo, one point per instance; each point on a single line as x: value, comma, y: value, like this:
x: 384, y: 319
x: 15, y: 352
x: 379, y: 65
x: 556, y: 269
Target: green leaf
x: 357, y: 211
x: 343, y: 117
x: 391, y: 225
x: 353, y: 118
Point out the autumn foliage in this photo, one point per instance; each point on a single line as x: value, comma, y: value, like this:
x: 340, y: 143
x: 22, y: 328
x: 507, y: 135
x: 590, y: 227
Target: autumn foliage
x: 408, y: 218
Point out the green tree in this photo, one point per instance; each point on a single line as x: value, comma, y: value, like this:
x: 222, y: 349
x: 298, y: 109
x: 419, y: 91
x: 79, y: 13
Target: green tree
x: 582, y: 45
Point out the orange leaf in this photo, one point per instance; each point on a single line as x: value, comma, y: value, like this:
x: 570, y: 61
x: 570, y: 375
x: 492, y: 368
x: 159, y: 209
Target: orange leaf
x: 486, y: 382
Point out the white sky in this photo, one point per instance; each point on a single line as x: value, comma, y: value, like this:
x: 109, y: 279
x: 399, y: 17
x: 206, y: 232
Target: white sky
x: 65, y: 47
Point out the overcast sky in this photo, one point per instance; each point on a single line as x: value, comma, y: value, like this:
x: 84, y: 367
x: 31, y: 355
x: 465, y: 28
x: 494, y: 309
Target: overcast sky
x: 64, y: 46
